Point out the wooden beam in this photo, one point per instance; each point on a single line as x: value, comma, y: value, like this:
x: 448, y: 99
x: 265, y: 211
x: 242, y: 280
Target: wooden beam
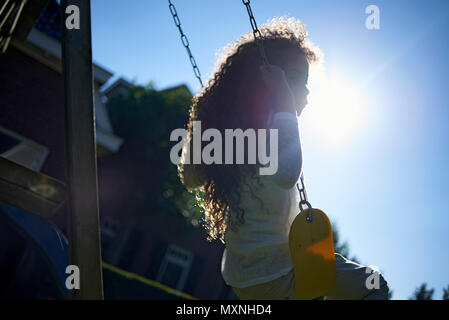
x: 30, y: 14
x: 83, y: 220
x: 31, y: 191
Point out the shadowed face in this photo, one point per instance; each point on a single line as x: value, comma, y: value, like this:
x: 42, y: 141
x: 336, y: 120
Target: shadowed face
x: 296, y: 68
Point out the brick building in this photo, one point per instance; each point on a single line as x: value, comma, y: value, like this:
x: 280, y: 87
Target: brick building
x: 160, y: 247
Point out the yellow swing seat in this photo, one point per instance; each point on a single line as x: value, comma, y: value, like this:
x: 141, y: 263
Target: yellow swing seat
x: 312, y: 253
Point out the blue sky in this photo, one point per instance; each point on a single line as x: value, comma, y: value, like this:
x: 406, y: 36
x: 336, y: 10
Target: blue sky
x: 385, y: 183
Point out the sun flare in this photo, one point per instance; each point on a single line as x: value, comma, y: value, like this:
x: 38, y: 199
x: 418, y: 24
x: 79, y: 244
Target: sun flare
x: 336, y: 109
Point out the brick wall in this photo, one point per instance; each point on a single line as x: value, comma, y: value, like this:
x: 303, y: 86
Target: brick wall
x: 31, y: 104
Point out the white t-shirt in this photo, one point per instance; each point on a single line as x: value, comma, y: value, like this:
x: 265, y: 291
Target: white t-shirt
x: 258, y: 251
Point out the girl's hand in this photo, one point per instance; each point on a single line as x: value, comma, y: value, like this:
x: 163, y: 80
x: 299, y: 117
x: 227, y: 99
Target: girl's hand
x: 276, y: 82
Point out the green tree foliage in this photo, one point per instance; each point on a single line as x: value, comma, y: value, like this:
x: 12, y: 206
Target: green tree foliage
x: 341, y: 247
x: 422, y: 293
x: 145, y: 119
x: 446, y: 293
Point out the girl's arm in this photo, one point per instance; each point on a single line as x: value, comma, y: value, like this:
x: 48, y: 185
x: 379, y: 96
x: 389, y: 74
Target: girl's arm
x: 285, y: 121
x: 289, y: 149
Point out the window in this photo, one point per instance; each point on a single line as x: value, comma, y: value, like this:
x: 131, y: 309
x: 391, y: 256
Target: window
x: 21, y: 150
x: 175, y: 267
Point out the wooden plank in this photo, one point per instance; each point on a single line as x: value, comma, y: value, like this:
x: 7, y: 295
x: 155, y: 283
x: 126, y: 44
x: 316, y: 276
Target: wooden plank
x: 31, y: 191
x: 30, y: 14
x: 83, y: 219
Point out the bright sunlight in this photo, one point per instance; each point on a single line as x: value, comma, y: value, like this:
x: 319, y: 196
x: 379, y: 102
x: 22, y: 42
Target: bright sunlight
x: 336, y: 109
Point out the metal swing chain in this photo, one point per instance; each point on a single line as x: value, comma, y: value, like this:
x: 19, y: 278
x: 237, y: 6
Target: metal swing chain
x: 256, y: 32
x: 258, y: 38
x: 185, y: 41
x: 303, y: 194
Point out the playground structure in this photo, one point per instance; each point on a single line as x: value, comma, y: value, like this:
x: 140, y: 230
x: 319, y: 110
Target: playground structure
x: 46, y: 196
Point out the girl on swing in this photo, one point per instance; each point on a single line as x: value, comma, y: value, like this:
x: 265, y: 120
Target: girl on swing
x: 252, y: 213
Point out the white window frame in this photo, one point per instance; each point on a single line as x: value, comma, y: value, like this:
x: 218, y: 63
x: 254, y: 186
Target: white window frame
x: 25, y: 143
x: 180, y: 257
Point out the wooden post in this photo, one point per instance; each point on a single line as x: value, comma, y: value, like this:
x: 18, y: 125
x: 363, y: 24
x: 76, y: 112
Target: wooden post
x: 82, y: 223
x: 32, y: 191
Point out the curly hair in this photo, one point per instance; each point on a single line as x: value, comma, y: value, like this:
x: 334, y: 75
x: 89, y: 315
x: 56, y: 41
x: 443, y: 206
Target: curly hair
x: 232, y: 99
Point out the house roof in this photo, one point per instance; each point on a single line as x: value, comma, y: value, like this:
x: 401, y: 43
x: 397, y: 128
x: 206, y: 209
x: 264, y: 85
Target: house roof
x: 119, y: 86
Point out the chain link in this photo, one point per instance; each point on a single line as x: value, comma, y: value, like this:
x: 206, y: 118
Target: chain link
x: 256, y: 32
x: 185, y: 41
x: 303, y: 194
x: 258, y: 38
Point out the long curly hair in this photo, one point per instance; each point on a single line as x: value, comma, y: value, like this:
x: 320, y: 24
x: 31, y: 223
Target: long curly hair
x: 235, y: 98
